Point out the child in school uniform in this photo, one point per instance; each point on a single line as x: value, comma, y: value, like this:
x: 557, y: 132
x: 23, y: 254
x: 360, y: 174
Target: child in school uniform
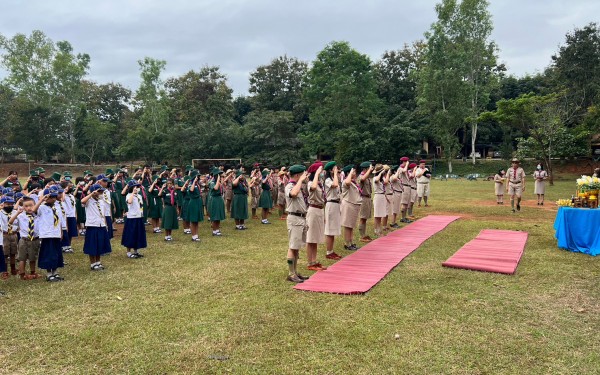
x: 134, y: 234
x: 69, y: 204
x: 185, y: 205
x: 239, y: 207
x: 155, y: 207
x: 195, y: 212
x: 106, y: 203
x: 51, y: 256
x: 9, y: 233
x: 97, y: 239
x: 217, y: 205
x: 169, y: 195
x: 29, y: 243
x: 60, y: 206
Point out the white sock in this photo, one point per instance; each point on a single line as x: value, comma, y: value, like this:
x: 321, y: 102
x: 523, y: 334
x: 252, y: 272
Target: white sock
x: 194, y: 237
x: 128, y: 253
x: 329, y: 252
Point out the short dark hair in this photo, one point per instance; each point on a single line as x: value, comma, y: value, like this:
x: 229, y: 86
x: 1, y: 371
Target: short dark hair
x: 26, y: 199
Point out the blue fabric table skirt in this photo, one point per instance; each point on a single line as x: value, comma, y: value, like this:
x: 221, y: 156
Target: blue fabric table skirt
x: 578, y: 230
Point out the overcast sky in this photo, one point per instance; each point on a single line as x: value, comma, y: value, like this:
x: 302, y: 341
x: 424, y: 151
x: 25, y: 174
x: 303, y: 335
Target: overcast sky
x: 240, y: 35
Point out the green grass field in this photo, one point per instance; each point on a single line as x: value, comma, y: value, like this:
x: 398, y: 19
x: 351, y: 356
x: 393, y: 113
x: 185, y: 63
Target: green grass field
x: 223, y: 306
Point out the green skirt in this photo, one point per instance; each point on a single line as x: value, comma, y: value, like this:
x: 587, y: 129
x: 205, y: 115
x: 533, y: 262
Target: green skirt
x: 169, y: 218
x: 195, y: 211
x: 184, y: 210
x: 265, y: 201
x: 216, y: 209
x: 155, y: 209
x: 239, y: 207
x: 117, y: 207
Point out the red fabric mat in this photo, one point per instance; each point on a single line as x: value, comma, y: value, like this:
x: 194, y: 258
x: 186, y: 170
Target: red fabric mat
x: 361, y: 270
x: 491, y: 251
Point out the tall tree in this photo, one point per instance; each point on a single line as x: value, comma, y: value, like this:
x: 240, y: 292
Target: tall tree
x: 460, y: 67
x: 150, y: 95
x: 342, y: 97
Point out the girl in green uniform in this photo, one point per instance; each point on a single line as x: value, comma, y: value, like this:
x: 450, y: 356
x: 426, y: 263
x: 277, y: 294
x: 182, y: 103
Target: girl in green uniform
x: 155, y: 203
x: 169, y: 195
x: 239, y: 205
x: 185, y: 205
x: 195, y: 208
x: 119, y: 199
x: 266, y: 201
x: 216, y: 208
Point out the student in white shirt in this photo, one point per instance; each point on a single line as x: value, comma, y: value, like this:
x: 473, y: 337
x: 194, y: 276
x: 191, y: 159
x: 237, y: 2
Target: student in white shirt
x: 97, y: 241
x: 134, y: 233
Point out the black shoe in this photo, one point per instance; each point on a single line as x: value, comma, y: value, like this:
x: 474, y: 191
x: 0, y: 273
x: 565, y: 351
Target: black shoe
x: 518, y: 207
x: 302, y: 277
x: 513, y: 210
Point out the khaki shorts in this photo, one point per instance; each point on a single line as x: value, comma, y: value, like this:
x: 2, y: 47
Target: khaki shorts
x: 297, y: 230
x: 422, y: 190
x: 366, y: 208
x: 10, y: 244
x: 28, y: 250
x: 253, y: 202
x: 413, y: 195
x: 406, y: 196
x: 396, y: 202
x: 515, y: 189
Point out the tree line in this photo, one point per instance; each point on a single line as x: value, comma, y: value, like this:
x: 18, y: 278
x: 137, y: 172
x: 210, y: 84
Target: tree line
x: 447, y: 89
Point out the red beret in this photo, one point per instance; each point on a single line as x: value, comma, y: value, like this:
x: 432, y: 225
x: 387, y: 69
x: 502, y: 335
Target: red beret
x: 411, y: 165
x: 422, y: 161
x: 314, y: 167
x: 404, y: 158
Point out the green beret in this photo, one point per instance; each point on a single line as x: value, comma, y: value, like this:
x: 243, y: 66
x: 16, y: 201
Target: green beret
x: 155, y: 177
x: 194, y: 174
x: 365, y: 164
x: 67, y: 174
x: 330, y: 165
x: 188, y: 168
x: 34, y: 173
x: 239, y: 173
x: 216, y: 172
x: 186, y: 178
x: 41, y: 170
x: 109, y: 171
x: 56, y: 176
x: 163, y: 168
x: 85, y: 173
x: 295, y: 169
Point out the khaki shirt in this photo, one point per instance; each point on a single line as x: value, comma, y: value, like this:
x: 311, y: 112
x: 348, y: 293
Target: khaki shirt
x: 296, y: 204
x: 378, y: 187
x: 316, y: 196
x: 515, y: 176
x: 332, y: 194
x: 421, y: 173
x: 366, y: 187
x: 351, y: 194
x: 404, y: 178
x: 396, y: 185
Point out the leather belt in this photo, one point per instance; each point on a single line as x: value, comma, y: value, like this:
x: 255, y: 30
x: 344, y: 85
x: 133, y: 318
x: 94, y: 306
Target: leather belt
x: 515, y: 182
x: 405, y: 185
x: 414, y: 188
x: 422, y: 183
x: 315, y: 206
x: 366, y: 195
x: 398, y: 191
x: 334, y: 201
x: 296, y: 214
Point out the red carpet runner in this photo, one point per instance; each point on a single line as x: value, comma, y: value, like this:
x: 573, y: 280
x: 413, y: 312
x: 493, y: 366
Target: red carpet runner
x: 491, y: 251
x: 360, y: 271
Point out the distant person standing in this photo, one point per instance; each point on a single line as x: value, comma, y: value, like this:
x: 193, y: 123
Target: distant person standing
x: 540, y: 176
x: 423, y: 176
x: 515, y: 183
x: 499, y: 179
x: 365, y: 184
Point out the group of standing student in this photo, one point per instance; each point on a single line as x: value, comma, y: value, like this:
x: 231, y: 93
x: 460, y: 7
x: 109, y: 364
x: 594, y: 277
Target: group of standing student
x: 324, y: 201
x: 512, y: 182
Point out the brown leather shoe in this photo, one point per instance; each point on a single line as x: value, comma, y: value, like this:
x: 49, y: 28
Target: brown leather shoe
x: 366, y: 239
x: 333, y: 256
x: 316, y: 267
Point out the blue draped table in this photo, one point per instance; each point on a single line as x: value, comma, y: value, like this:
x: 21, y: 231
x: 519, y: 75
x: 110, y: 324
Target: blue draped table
x: 578, y: 229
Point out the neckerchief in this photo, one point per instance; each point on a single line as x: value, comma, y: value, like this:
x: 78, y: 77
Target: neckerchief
x: 9, y: 229
x: 55, y: 215
x: 30, y: 228
x: 172, y: 192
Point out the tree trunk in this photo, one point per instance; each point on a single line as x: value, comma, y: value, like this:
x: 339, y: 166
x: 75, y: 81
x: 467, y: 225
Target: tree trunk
x: 449, y: 165
x: 473, y: 138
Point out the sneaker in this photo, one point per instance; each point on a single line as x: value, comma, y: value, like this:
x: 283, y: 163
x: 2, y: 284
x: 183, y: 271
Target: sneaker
x: 316, y: 267
x: 101, y: 267
x: 95, y: 267
x: 132, y: 255
x: 216, y: 233
x: 333, y: 256
x: 196, y: 239
x: 187, y: 231
x: 157, y: 231
x: 294, y: 279
x: 302, y: 277
x: 265, y: 221
x: 51, y: 278
x: 238, y: 227
x: 244, y: 227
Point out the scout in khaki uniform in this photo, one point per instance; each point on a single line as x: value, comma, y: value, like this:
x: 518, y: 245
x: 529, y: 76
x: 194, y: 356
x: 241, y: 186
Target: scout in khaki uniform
x: 396, y: 187
x: 423, y: 176
x: 515, y: 178
x: 366, y: 206
x: 351, y: 203
x: 332, y: 208
x: 389, y: 200
x: 315, y: 216
x: 406, y: 191
x: 499, y: 179
x: 380, y: 182
x: 282, y: 181
x: 296, y: 220
x: 228, y: 196
x: 540, y: 176
x: 412, y: 181
x: 255, y: 191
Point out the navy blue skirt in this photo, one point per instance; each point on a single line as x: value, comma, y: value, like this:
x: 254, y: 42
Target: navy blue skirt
x: 109, y: 226
x: 2, y: 261
x: 51, y: 255
x: 134, y: 234
x: 96, y: 241
x: 72, y: 227
x: 66, y: 239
